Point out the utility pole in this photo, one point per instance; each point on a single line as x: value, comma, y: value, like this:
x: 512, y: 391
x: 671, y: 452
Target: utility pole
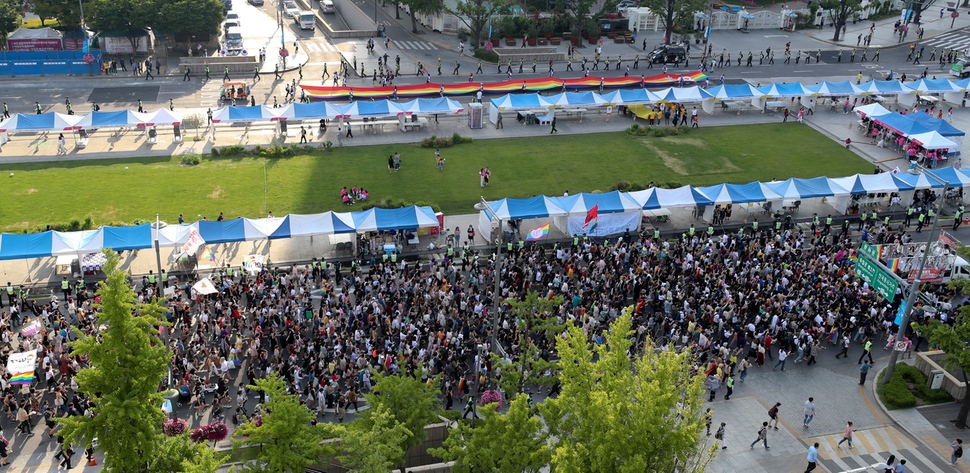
x: 158, y: 259
x: 496, y: 276
x: 914, y: 288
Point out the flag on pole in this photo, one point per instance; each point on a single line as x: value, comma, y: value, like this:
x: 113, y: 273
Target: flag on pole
x: 207, y: 253
x: 538, y: 233
x: 591, y: 215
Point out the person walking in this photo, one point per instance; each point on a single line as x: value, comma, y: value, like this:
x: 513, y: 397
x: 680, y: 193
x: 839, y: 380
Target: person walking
x: 847, y: 436
x: 554, y: 130
x: 303, y: 135
x: 350, y: 134
x: 61, y: 144
x: 845, y: 347
x: 225, y: 76
x: 743, y: 368
x: 773, y: 414
x: 957, y: 447
x: 867, y: 351
x: 863, y: 372
x: 715, y: 383
x: 812, y: 458
x: 729, y: 384
x: 187, y: 76
x: 207, y: 73
x: 809, y: 412
x: 719, y: 436
x: 762, y: 436
x: 782, y: 356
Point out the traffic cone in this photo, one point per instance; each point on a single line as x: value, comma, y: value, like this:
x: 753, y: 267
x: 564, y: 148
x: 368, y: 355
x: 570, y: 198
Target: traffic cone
x: 92, y: 462
x: 966, y: 219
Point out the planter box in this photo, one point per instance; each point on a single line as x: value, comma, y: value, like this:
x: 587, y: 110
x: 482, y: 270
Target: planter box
x: 576, y: 41
x: 554, y: 41
x: 532, y: 41
x: 542, y: 41
x: 594, y: 40
x: 510, y: 42
x: 495, y: 42
x: 585, y: 35
x: 611, y: 35
x: 619, y: 40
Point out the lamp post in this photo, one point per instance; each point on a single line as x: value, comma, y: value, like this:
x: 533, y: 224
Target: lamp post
x: 914, y: 288
x: 158, y: 258
x: 496, y: 275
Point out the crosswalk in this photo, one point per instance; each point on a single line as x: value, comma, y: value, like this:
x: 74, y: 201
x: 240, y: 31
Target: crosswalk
x: 426, y: 45
x: 321, y: 45
x: 959, y: 40
x: 873, y: 447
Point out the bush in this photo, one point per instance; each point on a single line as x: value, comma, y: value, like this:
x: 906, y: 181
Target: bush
x: 435, y: 142
x: 898, y: 395
x: 621, y: 186
x: 190, y: 160
x: 231, y: 150
x: 388, y: 203
x: 486, y: 55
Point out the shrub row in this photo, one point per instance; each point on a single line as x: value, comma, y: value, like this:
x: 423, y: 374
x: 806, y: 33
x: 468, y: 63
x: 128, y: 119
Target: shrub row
x: 435, y: 142
x: 275, y: 151
x: 898, y: 395
x: 657, y: 132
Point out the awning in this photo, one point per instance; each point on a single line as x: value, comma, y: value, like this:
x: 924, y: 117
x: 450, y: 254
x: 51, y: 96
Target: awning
x: 796, y: 188
x: 520, y: 209
x: 655, y: 198
x: 407, y: 218
x: 610, y: 202
x: 739, y: 193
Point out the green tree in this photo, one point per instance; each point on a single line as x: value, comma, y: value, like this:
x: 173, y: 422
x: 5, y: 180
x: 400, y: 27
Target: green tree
x: 413, y: 403
x: 128, y: 17
x: 475, y: 14
x: 423, y: 7
x: 953, y: 340
x: 287, y: 442
x: 625, y: 413
x: 179, y: 454
x: 536, y: 321
x: 199, y: 17
x: 839, y: 13
x: 510, y: 443
x: 9, y: 18
x: 674, y: 13
x: 128, y: 361
x: 376, y: 447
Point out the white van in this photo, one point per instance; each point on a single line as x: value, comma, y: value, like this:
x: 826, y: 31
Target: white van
x: 234, y: 38
x: 307, y: 20
x: 326, y: 6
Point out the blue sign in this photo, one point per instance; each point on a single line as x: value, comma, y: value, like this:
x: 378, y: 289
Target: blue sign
x: 899, y: 314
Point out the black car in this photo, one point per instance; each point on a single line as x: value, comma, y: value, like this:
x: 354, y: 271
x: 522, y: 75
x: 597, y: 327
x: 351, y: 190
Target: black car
x: 257, y: 3
x: 667, y: 55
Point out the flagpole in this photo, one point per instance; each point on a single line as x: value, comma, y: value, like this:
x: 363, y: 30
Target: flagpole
x: 497, y: 277
x: 158, y: 257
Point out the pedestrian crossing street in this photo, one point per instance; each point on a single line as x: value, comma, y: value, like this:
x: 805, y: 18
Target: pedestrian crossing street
x: 320, y: 45
x: 959, y: 40
x: 872, y: 447
x: 425, y: 45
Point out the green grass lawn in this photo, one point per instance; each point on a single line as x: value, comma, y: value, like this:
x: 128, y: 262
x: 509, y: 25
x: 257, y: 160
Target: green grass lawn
x: 116, y: 191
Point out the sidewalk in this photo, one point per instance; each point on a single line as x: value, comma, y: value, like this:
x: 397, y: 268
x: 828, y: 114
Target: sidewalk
x: 883, y: 35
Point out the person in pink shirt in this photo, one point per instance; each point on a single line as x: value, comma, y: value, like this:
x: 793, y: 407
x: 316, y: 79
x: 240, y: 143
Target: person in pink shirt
x: 847, y: 436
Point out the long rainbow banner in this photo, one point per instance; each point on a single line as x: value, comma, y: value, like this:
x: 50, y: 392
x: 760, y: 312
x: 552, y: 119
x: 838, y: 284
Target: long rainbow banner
x: 21, y: 367
x: 319, y: 92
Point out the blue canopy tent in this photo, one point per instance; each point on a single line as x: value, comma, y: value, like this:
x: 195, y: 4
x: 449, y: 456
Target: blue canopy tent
x: 796, y: 188
x: 326, y: 223
x: 739, y: 193
x: 901, y: 124
x: 616, y: 212
x: 66, y: 243
x: 951, y: 175
x: 242, y: 114
x: 522, y: 209
x: 24, y: 246
x: 222, y: 232
x: 734, y: 91
x: 309, y: 111
x: 656, y: 198
x: 128, y: 238
x: 271, y: 228
x: 406, y: 218
x: 438, y: 105
x: 51, y: 121
x: 935, y: 124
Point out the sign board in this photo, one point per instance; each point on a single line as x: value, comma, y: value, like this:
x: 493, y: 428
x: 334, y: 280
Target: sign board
x: 34, y: 44
x: 869, y: 250
x: 930, y: 275
x: 882, y: 282
x: 900, y: 346
x: 899, y: 314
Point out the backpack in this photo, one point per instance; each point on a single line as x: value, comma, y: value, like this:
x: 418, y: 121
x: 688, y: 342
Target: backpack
x: 772, y: 412
x: 959, y: 452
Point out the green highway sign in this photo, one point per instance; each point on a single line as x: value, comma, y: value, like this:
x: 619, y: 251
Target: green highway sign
x: 869, y: 250
x: 882, y: 282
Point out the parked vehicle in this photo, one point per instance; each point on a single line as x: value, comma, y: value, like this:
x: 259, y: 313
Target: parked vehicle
x: 326, y: 6
x: 257, y: 3
x: 665, y: 54
x: 307, y: 20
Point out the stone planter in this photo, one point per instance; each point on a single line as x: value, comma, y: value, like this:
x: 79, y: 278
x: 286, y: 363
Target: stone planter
x: 532, y: 41
x: 554, y: 41
x: 495, y: 42
x: 510, y: 42
x: 594, y: 39
x: 542, y: 41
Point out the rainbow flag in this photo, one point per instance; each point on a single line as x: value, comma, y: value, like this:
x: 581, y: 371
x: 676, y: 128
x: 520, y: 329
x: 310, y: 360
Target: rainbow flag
x: 893, y: 264
x: 208, y: 254
x: 538, y: 233
x: 21, y: 367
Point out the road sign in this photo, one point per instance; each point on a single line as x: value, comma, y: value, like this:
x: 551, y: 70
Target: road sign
x: 869, y: 250
x: 954, y: 14
x: 882, y: 282
x: 899, y: 314
x: 900, y: 346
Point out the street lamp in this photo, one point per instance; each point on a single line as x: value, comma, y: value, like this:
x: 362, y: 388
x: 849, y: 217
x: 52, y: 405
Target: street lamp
x: 914, y: 288
x: 496, y: 275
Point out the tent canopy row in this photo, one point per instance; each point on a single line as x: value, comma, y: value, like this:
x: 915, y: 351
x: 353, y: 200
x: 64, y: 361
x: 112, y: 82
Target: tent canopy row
x: 136, y: 237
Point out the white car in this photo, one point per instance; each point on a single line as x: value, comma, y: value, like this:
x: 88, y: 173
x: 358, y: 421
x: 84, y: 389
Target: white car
x: 626, y: 4
x: 290, y: 9
x: 233, y: 17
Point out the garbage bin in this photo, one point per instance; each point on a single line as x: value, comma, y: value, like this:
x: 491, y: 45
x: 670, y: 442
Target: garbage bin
x: 935, y: 379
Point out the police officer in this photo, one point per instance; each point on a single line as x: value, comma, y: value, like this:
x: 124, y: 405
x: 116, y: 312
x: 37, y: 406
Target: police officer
x: 151, y: 277
x: 828, y: 223
x: 958, y: 218
x: 66, y: 288
x: 814, y: 222
x: 862, y: 220
x: 909, y: 215
x: 11, y: 295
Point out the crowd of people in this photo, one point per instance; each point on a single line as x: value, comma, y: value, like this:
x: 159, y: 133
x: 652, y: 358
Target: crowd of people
x: 328, y: 327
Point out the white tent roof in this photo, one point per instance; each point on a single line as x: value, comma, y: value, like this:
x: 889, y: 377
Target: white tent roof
x: 933, y: 140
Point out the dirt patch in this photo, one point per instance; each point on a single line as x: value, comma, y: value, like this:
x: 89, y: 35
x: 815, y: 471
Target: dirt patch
x: 671, y: 162
x: 682, y: 162
x: 28, y: 191
x: 217, y: 193
x: 109, y: 214
x: 684, y: 140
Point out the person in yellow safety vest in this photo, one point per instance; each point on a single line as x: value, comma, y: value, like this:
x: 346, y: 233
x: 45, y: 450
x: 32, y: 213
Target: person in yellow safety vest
x: 691, y: 230
x: 920, y: 221
x: 710, y: 230
x: 521, y: 244
x: 656, y: 233
x: 862, y: 220
x: 79, y: 286
x: 508, y: 247
x: 958, y: 217
x: 909, y: 215
x: 394, y: 257
x: 575, y: 241
x: 384, y: 257
x: 229, y: 271
x: 777, y: 225
x: 874, y: 217
x: 814, y: 222
x: 66, y: 287
x: 10, y: 295
x: 828, y: 223
x: 464, y: 250
x: 450, y: 251
x: 151, y: 277
x: 754, y: 226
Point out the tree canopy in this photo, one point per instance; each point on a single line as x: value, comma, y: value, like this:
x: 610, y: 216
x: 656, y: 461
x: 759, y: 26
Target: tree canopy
x: 510, y: 443
x: 9, y: 18
x: 286, y: 439
x: 839, y: 13
x: 675, y: 14
x: 536, y: 326
x: 623, y: 413
x: 423, y: 7
x: 199, y: 17
x: 375, y: 446
x: 413, y: 403
x: 475, y: 15
x: 954, y: 339
x: 127, y: 362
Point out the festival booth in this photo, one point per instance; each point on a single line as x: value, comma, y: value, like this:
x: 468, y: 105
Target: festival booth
x: 731, y: 96
x: 745, y: 196
x: 795, y: 189
x: 510, y: 209
x: 512, y: 102
x: 615, y: 212
x: 242, y: 114
x: 834, y: 89
x: 869, y: 189
x: 883, y: 90
x: 872, y: 110
x: 929, y: 91
x: 772, y: 92
x: 414, y: 114
x: 683, y: 95
x: 940, y: 126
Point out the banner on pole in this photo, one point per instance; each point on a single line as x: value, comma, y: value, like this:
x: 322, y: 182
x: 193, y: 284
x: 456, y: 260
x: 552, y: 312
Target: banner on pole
x: 253, y: 263
x: 21, y: 367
